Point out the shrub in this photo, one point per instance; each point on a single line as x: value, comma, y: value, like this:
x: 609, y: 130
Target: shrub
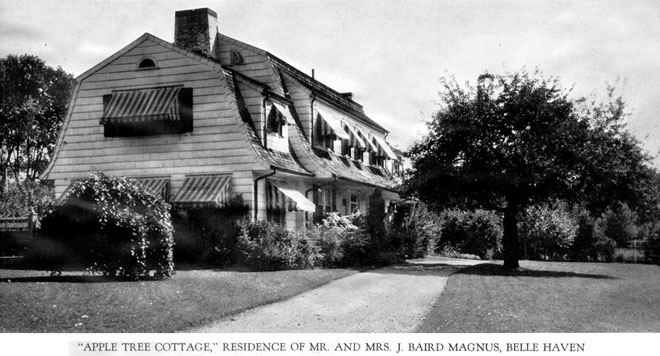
x: 343, y: 242
x: 330, y: 236
x: 620, y: 224
x: 375, y: 219
x: 547, y: 231
x: 112, y: 226
x: 476, y: 232
x: 652, y: 250
x: 415, y: 229
x: 629, y: 255
x: 583, y: 247
x: 21, y: 199
x: 266, y: 247
x: 209, y: 235
x: 451, y: 252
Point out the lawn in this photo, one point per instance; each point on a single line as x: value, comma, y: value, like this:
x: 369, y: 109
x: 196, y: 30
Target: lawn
x: 32, y: 301
x: 549, y: 297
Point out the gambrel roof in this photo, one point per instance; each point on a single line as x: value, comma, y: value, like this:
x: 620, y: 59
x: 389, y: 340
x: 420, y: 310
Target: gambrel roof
x: 270, y: 159
x: 328, y: 94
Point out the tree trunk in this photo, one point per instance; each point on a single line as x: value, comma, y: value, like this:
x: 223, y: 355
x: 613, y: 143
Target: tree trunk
x: 3, y: 179
x: 510, y: 240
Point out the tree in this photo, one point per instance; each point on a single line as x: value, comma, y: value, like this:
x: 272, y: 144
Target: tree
x: 33, y: 103
x: 516, y: 140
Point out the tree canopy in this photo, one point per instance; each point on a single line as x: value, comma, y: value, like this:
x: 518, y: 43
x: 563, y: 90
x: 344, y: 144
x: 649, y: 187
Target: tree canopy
x: 34, y: 98
x: 518, y: 139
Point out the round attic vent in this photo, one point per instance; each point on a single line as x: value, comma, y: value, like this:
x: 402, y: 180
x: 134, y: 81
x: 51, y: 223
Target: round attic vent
x: 236, y: 57
x: 147, y: 63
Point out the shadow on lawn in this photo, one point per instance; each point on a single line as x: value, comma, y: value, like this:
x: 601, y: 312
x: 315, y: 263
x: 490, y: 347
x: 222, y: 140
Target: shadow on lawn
x: 436, y: 269
x: 71, y: 279
x: 489, y: 269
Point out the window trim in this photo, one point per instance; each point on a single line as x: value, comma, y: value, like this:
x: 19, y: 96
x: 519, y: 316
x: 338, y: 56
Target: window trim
x: 142, y: 60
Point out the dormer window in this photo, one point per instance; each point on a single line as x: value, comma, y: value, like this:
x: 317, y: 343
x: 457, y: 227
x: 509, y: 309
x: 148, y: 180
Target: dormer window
x: 151, y: 111
x: 327, y: 130
x: 236, y: 57
x: 276, y: 122
x: 147, y: 63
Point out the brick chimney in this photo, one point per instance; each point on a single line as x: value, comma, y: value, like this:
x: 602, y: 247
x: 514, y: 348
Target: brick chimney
x: 195, y: 30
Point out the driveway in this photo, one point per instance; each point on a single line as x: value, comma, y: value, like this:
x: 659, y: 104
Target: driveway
x: 393, y: 300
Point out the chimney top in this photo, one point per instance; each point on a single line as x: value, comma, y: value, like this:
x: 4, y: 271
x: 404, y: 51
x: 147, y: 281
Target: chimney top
x: 195, y: 30
x: 203, y: 10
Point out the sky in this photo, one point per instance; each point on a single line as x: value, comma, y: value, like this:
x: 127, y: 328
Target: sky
x: 390, y: 53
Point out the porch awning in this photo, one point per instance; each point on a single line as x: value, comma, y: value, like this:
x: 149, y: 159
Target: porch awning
x: 206, y: 190
x: 334, y: 124
x: 355, y: 138
x: 156, y: 185
x: 302, y: 203
x: 142, y: 105
x: 385, y: 147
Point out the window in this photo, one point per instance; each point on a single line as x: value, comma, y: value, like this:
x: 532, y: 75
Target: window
x: 275, y: 205
x: 236, y: 57
x: 325, y: 200
x: 144, y: 112
x: 357, y: 153
x: 147, y: 63
x: 276, y: 122
x: 322, y: 136
x: 354, y: 204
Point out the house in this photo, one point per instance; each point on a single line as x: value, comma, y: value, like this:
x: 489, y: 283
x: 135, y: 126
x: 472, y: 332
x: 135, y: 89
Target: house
x: 210, y: 117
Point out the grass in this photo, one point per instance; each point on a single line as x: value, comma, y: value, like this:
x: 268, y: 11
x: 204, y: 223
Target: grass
x: 549, y: 297
x: 32, y: 301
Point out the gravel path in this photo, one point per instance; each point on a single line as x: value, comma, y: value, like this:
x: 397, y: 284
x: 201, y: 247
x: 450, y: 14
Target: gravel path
x: 393, y: 300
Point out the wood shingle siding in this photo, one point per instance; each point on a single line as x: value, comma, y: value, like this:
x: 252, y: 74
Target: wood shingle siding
x: 216, y: 145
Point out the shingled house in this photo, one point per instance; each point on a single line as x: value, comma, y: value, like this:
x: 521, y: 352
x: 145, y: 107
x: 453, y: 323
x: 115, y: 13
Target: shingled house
x: 210, y: 117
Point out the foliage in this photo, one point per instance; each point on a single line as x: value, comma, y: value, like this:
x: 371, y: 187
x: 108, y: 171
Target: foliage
x: 375, y: 219
x: 476, y: 232
x: 330, y: 237
x: 34, y: 99
x: 113, y: 226
x: 452, y: 252
x: 629, y: 255
x: 415, y: 228
x: 604, y: 247
x: 344, y: 242
x: 621, y: 224
x: 652, y: 251
x: 584, y: 244
x: 209, y: 235
x: 547, y: 231
x: 267, y: 247
x: 31, y: 196
x: 516, y: 140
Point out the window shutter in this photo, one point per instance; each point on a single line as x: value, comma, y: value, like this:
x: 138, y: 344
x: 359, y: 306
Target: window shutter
x: 316, y: 197
x: 186, y: 109
x: 334, y: 199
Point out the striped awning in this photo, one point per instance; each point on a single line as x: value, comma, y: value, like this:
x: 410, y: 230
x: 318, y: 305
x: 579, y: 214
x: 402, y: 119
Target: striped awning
x: 355, y: 140
x: 157, y: 185
x: 285, y: 112
x: 385, y: 147
x: 302, y: 203
x: 372, y: 146
x: 142, y: 105
x: 206, y: 190
x: 330, y: 122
